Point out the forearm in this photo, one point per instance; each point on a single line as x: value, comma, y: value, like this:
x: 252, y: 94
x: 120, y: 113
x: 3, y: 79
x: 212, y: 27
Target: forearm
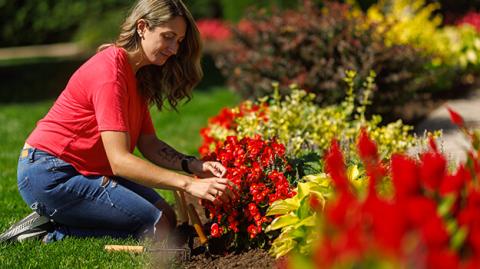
x: 160, y: 153
x: 148, y: 174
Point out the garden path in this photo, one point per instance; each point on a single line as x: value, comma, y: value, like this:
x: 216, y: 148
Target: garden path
x: 453, y: 143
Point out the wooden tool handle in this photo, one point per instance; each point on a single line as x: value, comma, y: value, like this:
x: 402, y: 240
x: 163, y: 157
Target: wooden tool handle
x: 131, y: 249
x: 181, y: 204
x: 197, y: 224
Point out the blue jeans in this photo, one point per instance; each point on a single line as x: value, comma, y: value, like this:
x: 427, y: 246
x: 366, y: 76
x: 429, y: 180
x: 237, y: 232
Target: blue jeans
x: 85, y: 206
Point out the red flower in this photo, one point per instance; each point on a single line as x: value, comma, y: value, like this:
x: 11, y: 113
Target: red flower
x: 257, y: 167
x: 212, y: 29
x: 433, y: 144
x: 435, y: 233
x: 367, y: 147
x: 432, y: 169
x: 405, y: 176
x: 314, y: 202
x: 388, y: 223
x: 455, y: 183
x: 335, y: 166
x: 455, y: 118
x: 338, y: 211
x: 418, y: 210
x: 214, y: 230
x: 443, y: 259
x: 471, y: 18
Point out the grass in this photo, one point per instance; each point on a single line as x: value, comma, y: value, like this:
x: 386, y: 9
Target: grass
x: 180, y: 130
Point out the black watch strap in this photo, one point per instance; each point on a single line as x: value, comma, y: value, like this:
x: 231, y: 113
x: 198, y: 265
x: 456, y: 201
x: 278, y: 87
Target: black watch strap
x: 185, y: 162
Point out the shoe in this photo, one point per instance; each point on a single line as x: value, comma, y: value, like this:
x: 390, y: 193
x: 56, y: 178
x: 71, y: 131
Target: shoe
x: 30, y: 227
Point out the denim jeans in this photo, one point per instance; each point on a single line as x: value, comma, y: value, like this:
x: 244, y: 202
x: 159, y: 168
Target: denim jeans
x: 85, y: 206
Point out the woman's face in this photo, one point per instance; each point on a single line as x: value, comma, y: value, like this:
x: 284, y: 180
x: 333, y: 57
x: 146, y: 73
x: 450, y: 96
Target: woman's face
x: 161, y: 42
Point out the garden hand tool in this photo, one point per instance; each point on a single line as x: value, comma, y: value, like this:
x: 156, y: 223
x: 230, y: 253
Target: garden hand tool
x: 184, y: 252
x: 184, y: 231
x: 197, y: 224
x: 181, y: 207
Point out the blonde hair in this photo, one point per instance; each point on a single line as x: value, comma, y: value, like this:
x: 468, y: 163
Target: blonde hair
x: 175, y: 79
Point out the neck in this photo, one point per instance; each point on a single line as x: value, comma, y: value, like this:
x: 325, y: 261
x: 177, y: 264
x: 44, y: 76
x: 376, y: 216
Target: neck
x: 136, y: 60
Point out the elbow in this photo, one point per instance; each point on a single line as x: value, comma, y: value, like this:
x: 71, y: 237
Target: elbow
x: 116, y: 171
x: 118, y: 166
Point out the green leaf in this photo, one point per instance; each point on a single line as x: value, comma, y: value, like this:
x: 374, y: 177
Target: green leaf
x: 458, y: 238
x: 299, y: 234
x: 283, y: 248
x: 445, y: 205
x: 283, y: 221
x: 282, y: 207
x: 303, y: 210
x: 303, y: 189
x: 283, y: 244
x: 310, y: 221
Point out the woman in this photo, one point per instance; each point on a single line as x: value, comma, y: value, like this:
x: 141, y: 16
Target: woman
x: 77, y: 169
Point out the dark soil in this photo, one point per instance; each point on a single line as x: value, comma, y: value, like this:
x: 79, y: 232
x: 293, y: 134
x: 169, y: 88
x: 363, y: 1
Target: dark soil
x: 257, y: 258
x: 196, y: 256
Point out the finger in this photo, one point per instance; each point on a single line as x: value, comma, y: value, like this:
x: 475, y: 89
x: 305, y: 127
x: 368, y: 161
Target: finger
x: 209, y: 197
x: 225, y: 189
x: 232, y: 185
x: 223, y: 181
x: 224, y: 197
x: 215, y: 169
x: 220, y: 169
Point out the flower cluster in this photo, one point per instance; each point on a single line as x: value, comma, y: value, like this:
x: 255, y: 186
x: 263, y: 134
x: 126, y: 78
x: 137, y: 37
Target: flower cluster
x: 432, y: 220
x: 258, y: 168
x: 225, y: 124
x: 471, y: 18
x: 213, y: 30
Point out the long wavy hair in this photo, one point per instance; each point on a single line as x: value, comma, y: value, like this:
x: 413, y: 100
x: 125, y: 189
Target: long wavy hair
x: 175, y: 79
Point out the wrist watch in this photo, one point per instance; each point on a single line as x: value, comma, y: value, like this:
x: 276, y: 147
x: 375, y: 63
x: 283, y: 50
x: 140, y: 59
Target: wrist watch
x: 185, y: 161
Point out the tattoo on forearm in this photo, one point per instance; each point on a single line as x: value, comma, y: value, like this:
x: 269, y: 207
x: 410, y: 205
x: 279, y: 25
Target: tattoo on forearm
x: 169, y: 154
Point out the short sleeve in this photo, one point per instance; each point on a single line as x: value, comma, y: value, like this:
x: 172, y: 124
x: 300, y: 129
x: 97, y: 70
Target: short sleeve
x: 147, y: 125
x: 110, y: 104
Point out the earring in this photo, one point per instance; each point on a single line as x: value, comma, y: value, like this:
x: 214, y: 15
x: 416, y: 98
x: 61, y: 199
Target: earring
x: 140, y: 34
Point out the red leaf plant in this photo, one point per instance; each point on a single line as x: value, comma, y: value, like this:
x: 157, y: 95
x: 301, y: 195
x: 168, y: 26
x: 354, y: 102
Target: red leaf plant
x: 432, y: 220
x: 260, y: 171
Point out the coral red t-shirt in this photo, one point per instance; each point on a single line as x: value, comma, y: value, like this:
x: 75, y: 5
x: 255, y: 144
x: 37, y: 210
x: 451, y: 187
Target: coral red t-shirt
x: 100, y: 96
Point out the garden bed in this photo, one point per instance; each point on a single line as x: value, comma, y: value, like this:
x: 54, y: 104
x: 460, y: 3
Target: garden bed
x: 217, y: 257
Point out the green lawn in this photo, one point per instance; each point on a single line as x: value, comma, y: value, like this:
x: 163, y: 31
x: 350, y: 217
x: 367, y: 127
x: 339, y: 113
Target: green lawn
x: 180, y: 130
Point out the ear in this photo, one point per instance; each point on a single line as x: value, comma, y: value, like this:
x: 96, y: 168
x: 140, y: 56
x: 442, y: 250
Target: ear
x: 142, y: 26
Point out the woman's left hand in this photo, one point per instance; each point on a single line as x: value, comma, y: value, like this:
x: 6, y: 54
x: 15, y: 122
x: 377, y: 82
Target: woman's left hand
x: 207, y: 169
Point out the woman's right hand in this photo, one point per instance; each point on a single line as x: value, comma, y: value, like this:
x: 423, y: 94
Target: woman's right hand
x: 213, y: 189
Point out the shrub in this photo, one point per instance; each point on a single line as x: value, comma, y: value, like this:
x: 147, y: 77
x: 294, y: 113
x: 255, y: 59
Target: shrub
x: 314, y: 47
x: 454, y: 50
x: 298, y: 123
x: 51, y: 21
x: 259, y: 169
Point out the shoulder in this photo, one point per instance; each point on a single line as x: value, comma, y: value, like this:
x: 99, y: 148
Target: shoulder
x: 109, y: 64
